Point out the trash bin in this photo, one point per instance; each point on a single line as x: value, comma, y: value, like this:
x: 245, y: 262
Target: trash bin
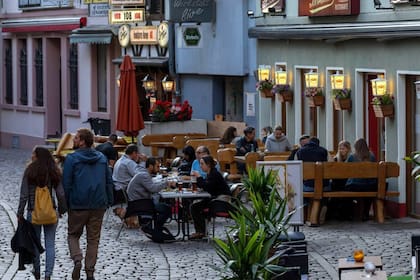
x: 100, y: 126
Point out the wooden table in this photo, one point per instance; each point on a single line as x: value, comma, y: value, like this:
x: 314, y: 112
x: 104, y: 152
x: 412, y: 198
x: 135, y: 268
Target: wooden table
x: 349, y: 263
x: 54, y: 141
x: 184, y: 199
x: 359, y: 275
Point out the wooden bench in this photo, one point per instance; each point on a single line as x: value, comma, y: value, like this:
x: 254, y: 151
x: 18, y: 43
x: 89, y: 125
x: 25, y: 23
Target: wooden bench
x: 211, y: 143
x: 170, y: 143
x: 226, y: 159
x: 344, y: 170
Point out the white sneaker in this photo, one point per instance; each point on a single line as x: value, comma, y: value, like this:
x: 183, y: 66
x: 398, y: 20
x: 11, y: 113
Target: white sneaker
x: 323, y: 214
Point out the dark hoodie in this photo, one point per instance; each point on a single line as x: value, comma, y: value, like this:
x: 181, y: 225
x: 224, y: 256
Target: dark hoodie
x: 87, y: 180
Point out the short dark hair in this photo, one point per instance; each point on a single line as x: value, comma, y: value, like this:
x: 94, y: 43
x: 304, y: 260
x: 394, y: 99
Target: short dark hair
x: 131, y: 148
x: 113, y: 138
x: 249, y: 130
x: 314, y: 140
x: 150, y: 161
x: 304, y: 136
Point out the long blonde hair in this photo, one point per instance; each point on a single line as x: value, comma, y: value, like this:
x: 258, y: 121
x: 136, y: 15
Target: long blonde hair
x: 338, y: 157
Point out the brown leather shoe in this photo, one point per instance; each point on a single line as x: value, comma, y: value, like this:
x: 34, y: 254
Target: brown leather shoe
x: 197, y: 236
x: 75, y: 275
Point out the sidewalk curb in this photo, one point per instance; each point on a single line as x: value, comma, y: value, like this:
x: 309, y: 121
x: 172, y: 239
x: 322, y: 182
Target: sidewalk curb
x: 13, y: 268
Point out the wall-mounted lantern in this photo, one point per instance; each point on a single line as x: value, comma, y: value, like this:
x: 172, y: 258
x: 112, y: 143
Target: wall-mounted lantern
x: 167, y: 84
x: 280, y: 74
x: 337, y: 80
x: 378, y: 86
x: 311, y: 79
x: 149, y: 84
x: 264, y: 72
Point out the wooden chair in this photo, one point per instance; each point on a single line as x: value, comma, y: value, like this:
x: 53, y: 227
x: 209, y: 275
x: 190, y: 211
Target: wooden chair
x: 251, y: 159
x: 276, y: 158
x: 226, y: 159
x: 211, y: 143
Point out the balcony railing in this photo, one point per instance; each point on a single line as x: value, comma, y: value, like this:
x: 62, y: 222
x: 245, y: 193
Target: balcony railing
x: 45, y: 4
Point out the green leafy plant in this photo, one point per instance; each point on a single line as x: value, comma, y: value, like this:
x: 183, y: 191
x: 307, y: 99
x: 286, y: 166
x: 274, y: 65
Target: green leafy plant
x: 386, y: 99
x: 414, y: 158
x: 264, y: 85
x: 341, y: 93
x: 250, y: 250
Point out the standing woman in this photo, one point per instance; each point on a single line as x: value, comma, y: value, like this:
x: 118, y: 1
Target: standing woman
x: 214, y: 184
x: 41, y: 171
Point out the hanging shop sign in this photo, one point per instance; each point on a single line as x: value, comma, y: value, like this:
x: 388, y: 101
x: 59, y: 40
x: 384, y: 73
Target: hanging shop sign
x: 98, y: 10
x: 127, y: 2
x: 318, y: 8
x: 192, y: 10
x: 163, y: 34
x: 144, y: 35
x: 124, y: 35
x: 191, y: 36
x: 126, y: 16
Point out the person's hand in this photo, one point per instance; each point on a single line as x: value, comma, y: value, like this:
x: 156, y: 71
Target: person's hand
x: 195, y: 173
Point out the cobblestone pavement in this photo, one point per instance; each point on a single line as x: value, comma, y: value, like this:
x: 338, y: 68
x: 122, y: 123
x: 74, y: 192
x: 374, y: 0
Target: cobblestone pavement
x: 133, y: 256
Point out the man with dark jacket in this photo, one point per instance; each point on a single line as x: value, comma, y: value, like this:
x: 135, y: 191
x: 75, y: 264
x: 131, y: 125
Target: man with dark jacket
x: 312, y: 152
x: 88, y: 186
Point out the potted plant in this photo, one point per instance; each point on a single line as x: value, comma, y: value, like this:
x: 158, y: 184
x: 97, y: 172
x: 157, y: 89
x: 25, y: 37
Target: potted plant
x: 265, y: 87
x: 341, y: 98
x: 383, y: 105
x: 250, y: 251
x: 315, y: 96
x: 161, y: 111
x: 415, y: 159
x: 181, y: 112
x: 284, y: 93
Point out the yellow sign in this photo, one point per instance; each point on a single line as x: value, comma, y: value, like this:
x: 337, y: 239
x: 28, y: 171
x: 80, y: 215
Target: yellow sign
x: 127, y: 2
x: 94, y: 1
x: 143, y: 35
x: 126, y: 16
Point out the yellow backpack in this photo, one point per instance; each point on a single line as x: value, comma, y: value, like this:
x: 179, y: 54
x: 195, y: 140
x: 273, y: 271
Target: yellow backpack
x: 43, y: 212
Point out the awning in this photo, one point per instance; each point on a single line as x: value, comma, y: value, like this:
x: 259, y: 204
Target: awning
x: 142, y: 61
x: 92, y: 35
x: 40, y: 24
x: 338, y: 31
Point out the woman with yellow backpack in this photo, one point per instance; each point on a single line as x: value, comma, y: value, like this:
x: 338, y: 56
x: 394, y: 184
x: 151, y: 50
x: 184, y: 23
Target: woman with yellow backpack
x: 41, y: 184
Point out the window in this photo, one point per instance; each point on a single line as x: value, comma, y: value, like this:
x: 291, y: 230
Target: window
x: 8, y: 71
x: 101, y: 78
x: 23, y: 75
x: 157, y: 10
x: 39, y: 90
x: 74, y: 81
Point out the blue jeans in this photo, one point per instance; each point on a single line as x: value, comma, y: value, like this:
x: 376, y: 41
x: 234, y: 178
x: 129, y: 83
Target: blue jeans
x: 49, y: 240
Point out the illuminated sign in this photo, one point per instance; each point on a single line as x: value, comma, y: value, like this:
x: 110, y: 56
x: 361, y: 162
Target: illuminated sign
x: 143, y: 35
x: 126, y: 16
x: 127, y: 2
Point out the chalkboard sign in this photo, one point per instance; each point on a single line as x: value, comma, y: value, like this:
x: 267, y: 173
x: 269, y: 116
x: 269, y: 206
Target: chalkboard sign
x: 192, y: 10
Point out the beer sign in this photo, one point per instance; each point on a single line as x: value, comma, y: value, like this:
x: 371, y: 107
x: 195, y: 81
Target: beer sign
x: 318, y: 8
x: 143, y: 35
x: 128, y: 2
x: 126, y: 16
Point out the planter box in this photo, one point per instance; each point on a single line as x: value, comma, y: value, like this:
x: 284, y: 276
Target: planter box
x: 315, y: 101
x: 342, y: 104
x: 382, y: 111
x: 266, y: 93
x: 285, y: 96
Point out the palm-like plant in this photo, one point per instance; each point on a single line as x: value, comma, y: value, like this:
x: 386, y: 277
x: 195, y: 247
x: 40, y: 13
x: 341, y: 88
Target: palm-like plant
x: 415, y: 159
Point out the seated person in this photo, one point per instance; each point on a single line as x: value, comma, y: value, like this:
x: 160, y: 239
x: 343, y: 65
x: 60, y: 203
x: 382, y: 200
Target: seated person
x: 125, y: 168
x: 343, y: 153
x: 247, y: 142
x: 216, y: 185
x: 108, y: 149
x: 312, y: 152
x: 265, y: 132
x: 142, y: 187
x: 303, y: 140
x: 230, y: 136
x: 201, y: 151
x: 186, y: 163
x: 277, y: 141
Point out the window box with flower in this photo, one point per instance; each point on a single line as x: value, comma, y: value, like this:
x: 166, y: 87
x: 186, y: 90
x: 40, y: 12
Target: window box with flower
x: 315, y: 96
x: 163, y: 111
x: 265, y: 88
x: 284, y: 93
x: 341, y: 98
x: 383, y: 105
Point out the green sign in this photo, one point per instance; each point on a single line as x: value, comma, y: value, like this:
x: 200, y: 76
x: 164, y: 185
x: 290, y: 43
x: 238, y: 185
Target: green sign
x: 192, y: 36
